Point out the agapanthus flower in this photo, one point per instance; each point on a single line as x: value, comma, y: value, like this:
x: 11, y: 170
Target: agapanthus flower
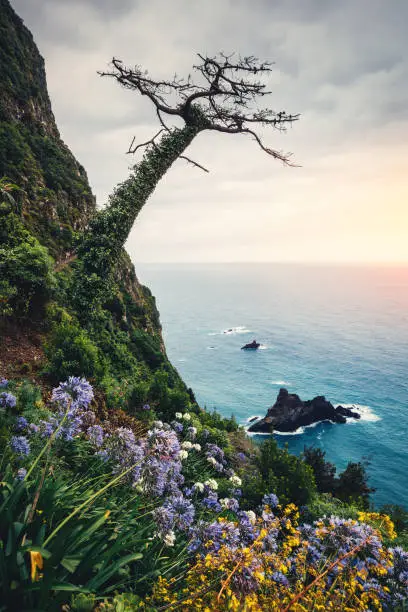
x: 21, y: 424
x: 211, y: 502
x: 95, y: 435
x: 229, y: 503
x: 198, y: 486
x: 186, y: 445
x: 3, y: 383
x: 21, y: 473
x: 191, y: 432
x: 211, y: 484
x: 186, y: 416
x: 197, y: 447
x: 208, y: 537
x: 271, y: 500
x: 20, y: 445
x: 280, y: 578
x: 178, y: 415
x: 146, y: 407
x: 75, y: 392
x: 7, y: 400
x: 170, y: 538
x: 183, y: 454
x: 178, y: 427
x: 47, y: 428
x: 175, y: 513
x: 236, y: 480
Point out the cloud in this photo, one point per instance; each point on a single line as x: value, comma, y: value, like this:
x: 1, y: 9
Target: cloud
x: 343, y: 66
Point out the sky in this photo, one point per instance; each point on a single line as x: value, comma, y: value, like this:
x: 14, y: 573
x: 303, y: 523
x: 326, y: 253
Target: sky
x: 342, y: 65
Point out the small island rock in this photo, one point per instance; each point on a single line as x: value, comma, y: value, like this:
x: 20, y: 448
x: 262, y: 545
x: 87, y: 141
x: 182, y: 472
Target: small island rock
x: 289, y: 413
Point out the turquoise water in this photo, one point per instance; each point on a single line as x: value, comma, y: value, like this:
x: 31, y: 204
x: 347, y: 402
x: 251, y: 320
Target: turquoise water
x: 341, y: 332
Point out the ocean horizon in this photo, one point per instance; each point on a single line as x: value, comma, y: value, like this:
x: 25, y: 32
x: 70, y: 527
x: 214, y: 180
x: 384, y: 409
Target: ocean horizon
x: 325, y: 329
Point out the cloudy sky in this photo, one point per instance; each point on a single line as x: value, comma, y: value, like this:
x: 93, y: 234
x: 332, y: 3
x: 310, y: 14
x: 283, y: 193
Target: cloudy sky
x: 342, y: 65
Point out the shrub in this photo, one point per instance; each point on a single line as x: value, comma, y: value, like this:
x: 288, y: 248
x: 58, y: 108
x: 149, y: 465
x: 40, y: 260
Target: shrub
x: 71, y: 352
x: 26, y: 270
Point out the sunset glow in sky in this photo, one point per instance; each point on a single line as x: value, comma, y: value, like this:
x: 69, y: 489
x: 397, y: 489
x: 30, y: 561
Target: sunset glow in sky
x: 342, y: 65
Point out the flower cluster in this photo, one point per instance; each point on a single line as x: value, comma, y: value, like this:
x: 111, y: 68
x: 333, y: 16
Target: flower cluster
x: 334, y: 564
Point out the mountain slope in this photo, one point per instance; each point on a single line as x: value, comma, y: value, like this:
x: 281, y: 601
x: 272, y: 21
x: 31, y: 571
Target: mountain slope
x: 54, y: 204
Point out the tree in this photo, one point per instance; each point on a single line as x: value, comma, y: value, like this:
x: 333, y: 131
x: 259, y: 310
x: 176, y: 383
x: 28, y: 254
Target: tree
x: 324, y: 471
x: 352, y: 485
x: 226, y: 99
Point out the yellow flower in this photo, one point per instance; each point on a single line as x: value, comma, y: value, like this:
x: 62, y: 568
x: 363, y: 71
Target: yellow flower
x: 36, y: 564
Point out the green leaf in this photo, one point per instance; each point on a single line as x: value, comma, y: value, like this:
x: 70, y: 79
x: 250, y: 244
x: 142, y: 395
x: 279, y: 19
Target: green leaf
x: 66, y: 586
x: 71, y: 563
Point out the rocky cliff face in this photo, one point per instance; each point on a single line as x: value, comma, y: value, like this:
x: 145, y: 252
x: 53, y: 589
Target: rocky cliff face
x: 56, y: 198
x: 55, y: 203
x: 289, y: 413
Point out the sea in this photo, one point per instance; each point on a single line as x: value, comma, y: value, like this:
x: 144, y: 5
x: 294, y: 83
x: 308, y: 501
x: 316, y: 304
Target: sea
x: 337, y: 331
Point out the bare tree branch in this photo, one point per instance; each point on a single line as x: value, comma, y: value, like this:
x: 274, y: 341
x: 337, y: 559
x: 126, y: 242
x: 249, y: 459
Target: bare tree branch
x: 191, y: 161
x: 226, y: 98
x: 133, y: 149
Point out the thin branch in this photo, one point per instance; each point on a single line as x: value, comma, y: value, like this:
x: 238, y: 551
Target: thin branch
x: 191, y: 161
x: 143, y: 144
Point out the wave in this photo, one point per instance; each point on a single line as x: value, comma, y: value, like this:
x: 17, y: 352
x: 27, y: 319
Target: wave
x: 239, y: 329
x: 263, y: 347
x: 280, y: 383
x: 366, y: 413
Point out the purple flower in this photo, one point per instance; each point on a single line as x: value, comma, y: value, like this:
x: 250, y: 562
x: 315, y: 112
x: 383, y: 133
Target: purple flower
x: 95, y: 435
x: 280, y: 578
x: 211, y: 502
x: 209, y: 537
x: 176, y: 512
x: 3, y: 383
x: 270, y: 500
x: 21, y: 424
x: 20, y: 446
x: 146, y: 407
x: 21, y: 473
x: 47, y: 428
x: 75, y: 392
x: 177, y: 426
x: 7, y: 400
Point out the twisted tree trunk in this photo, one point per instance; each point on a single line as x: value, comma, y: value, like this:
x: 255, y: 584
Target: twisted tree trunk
x: 103, y: 241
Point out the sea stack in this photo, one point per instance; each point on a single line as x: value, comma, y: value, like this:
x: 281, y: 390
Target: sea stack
x: 251, y: 345
x: 289, y: 413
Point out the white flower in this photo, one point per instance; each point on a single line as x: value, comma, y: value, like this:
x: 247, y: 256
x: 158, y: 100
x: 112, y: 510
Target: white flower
x: 158, y: 424
x: 211, y: 484
x: 178, y: 415
x: 198, y: 486
x: 186, y: 445
x: 183, y: 454
x: 212, y: 460
x: 197, y: 447
x: 252, y: 516
x: 169, y: 538
x: 236, y: 480
x: 187, y: 416
x: 192, y: 432
x: 225, y: 502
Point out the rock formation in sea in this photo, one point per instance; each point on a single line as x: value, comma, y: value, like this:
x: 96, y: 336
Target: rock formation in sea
x: 251, y: 345
x: 289, y: 413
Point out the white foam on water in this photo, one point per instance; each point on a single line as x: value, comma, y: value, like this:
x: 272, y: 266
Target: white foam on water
x: 239, y: 329
x: 263, y: 347
x: 280, y: 383
x: 366, y: 413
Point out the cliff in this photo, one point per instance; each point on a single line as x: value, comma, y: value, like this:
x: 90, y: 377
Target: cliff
x: 54, y: 203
